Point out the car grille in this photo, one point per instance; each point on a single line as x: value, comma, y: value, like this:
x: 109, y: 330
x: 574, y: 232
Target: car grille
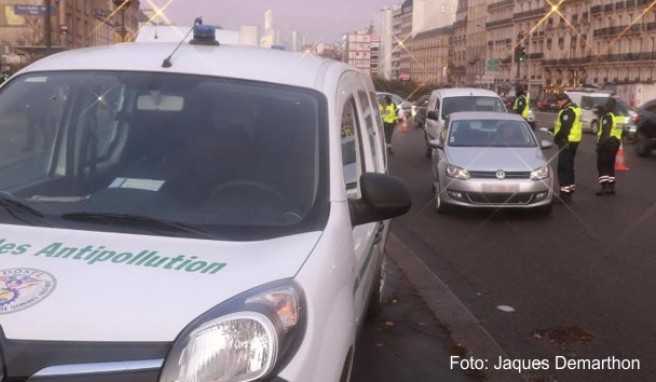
x: 500, y: 198
x: 493, y: 174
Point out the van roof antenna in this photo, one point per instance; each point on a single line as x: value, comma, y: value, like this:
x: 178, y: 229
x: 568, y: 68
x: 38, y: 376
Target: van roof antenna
x: 167, y: 61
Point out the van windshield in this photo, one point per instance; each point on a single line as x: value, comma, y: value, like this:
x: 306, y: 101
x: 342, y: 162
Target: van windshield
x: 471, y: 103
x: 229, y: 158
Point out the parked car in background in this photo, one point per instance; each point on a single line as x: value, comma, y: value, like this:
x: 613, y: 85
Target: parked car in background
x: 405, y: 106
x: 547, y: 103
x: 443, y: 102
x: 589, y: 101
x: 490, y: 160
x: 646, y: 129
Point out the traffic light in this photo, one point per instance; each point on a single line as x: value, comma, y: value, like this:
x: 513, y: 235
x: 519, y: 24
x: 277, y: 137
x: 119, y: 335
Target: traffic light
x: 520, y: 53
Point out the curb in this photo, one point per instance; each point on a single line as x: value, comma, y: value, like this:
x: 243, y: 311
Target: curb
x: 465, y: 329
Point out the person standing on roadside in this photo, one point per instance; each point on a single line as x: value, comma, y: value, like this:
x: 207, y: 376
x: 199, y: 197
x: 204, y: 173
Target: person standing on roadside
x: 568, y: 133
x: 3, y: 78
x: 390, y: 118
x: 520, y: 105
x: 609, y: 138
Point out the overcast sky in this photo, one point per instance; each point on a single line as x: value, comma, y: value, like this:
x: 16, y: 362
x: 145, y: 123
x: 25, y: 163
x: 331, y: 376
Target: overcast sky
x: 322, y: 20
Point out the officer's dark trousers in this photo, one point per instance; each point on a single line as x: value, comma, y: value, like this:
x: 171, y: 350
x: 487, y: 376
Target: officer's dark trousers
x: 389, y: 131
x: 566, y: 177
x: 606, y: 154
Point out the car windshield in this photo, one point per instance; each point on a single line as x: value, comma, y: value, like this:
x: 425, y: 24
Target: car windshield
x: 490, y: 133
x: 471, y: 103
x: 225, y: 156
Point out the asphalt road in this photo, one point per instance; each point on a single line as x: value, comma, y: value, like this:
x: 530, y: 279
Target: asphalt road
x: 580, y: 282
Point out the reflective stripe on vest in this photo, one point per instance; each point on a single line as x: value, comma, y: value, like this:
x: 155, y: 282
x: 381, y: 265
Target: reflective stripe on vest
x: 615, y: 129
x: 576, y: 132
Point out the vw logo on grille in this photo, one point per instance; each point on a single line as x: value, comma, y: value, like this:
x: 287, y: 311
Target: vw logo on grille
x: 501, y: 174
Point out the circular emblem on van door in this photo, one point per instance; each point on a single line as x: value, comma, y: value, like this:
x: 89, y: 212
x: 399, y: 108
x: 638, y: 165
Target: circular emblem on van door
x: 501, y: 174
x: 21, y: 288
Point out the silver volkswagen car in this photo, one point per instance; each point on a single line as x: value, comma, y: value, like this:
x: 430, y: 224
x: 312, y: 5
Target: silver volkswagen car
x: 489, y: 159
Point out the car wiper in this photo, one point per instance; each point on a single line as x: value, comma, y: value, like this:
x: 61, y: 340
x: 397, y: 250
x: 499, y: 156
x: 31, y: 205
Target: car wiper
x: 137, y: 221
x: 13, y: 204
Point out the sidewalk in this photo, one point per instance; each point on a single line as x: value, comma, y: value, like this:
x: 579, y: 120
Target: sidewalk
x: 405, y: 343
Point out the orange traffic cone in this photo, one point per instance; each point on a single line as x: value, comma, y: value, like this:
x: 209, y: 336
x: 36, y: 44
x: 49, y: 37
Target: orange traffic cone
x: 620, y: 163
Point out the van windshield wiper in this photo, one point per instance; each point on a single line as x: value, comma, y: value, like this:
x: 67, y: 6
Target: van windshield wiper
x: 135, y: 221
x: 13, y: 204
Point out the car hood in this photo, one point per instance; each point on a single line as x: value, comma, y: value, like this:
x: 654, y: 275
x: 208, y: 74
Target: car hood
x: 496, y: 158
x: 67, y: 296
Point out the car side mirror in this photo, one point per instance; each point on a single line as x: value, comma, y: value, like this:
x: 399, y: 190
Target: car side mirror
x: 433, y: 115
x: 545, y: 144
x: 545, y: 130
x: 383, y: 197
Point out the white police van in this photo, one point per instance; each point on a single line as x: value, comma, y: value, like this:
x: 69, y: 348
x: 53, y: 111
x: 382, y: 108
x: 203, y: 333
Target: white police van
x: 216, y: 214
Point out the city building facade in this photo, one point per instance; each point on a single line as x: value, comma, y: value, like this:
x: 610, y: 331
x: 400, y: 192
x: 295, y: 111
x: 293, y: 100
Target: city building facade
x: 386, y: 42
x: 402, y: 33
x: 430, y: 50
x: 375, y: 48
x: 458, y: 46
x: 357, y: 49
x: 500, y: 39
x: 29, y: 29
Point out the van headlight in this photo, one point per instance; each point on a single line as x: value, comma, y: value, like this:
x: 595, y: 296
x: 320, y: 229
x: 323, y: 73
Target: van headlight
x: 541, y: 173
x: 454, y: 171
x: 244, y: 339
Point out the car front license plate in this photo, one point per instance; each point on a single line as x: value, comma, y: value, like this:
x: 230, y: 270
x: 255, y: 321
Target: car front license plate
x: 500, y: 188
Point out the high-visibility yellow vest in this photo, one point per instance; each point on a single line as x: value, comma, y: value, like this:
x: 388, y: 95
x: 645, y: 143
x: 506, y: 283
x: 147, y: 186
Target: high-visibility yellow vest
x: 615, y: 128
x: 390, y: 113
x: 576, y: 132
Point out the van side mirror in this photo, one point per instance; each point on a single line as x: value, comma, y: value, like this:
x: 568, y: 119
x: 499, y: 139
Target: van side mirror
x: 545, y: 144
x: 383, y: 197
x: 433, y: 115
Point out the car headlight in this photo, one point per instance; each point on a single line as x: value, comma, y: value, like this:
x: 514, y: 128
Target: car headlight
x: 457, y: 172
x: 242, y: 340
x: 541, y: 173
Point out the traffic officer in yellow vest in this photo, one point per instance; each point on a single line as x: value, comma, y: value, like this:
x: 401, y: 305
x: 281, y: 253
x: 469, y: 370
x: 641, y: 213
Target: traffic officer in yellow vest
x: 609, y: 138
x: 521, y: 104
x: 390, y: 118
x: 568, y: 132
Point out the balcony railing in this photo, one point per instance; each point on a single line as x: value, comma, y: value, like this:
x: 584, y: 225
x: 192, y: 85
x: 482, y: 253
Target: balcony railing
x: 534, y: 13
x: 595, y: 9
x: 498, y: 23
x: 500, y: 4
x: 614, y: 31
x: 536, y: 56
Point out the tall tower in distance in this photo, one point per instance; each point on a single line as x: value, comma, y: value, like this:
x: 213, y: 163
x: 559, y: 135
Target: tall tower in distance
x: 269, y: 35
x: 268, y: 20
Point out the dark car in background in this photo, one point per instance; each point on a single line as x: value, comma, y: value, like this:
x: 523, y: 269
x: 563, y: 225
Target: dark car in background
x: 547, y: 103
x: 420, y: 107
x: 646, y: 134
